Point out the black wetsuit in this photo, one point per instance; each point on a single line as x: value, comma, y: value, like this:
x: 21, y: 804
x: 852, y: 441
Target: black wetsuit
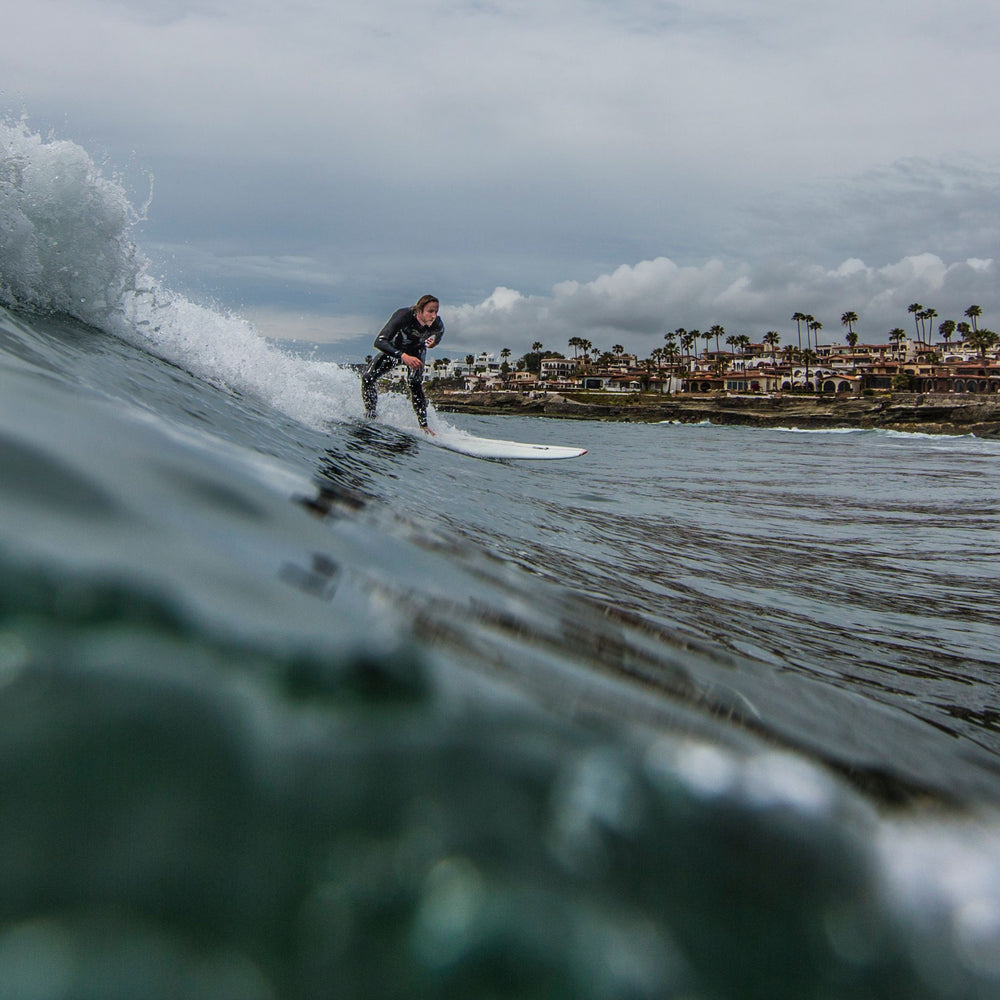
x: 403, y: 334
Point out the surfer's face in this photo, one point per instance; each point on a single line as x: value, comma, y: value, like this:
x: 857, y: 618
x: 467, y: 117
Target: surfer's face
x: 428, y: 314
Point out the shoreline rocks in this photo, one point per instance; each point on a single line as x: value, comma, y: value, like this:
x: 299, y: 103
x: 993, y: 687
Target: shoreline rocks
x: 920, y: 413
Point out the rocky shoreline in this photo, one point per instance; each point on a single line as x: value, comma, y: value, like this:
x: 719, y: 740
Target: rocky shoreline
x: 922, y: 413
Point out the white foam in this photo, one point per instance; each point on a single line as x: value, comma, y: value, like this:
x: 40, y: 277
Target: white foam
x: 66, y: 247
x: 823, y: 430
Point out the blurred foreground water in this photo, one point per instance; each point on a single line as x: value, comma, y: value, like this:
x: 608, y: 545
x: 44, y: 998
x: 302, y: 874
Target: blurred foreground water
x: 294, y: 706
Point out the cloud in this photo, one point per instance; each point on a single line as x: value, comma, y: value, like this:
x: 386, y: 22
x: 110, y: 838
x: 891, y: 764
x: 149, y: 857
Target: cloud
x: 730, y: 88
x: 284, y: 324
x: 636, y: 305
x: 902, y: 208
x: 618, y: 165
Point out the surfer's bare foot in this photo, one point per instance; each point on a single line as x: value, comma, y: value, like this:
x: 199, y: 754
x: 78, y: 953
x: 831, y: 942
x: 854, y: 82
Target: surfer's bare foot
x: 427, y: 430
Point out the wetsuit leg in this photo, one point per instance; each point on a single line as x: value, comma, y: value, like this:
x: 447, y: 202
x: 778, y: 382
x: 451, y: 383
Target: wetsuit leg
x: 369, y: 382
x: 417, y: 397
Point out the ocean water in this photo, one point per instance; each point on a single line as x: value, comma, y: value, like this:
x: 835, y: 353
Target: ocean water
x: 296, y: 706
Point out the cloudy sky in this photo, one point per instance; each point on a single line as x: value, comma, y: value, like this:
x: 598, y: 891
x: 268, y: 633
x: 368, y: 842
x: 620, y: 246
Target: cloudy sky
x: 610, y: 169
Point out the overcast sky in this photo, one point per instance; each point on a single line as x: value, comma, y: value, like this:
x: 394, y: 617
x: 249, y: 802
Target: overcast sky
x: 610, y: 169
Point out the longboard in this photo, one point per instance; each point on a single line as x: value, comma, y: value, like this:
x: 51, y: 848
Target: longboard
x: 468, y: 444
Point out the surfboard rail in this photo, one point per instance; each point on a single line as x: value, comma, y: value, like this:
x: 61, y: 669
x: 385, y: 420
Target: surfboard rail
x: 495, y: 448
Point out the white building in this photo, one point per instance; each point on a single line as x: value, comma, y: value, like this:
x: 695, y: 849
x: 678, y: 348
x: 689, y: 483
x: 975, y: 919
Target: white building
x: 557, y: 368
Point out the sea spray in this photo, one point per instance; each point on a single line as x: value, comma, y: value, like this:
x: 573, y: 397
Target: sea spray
x: 66, y: 243
x: 66, y: 247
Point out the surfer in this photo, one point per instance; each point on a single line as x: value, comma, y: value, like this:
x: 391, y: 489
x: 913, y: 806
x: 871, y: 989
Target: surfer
x: 405, y: 338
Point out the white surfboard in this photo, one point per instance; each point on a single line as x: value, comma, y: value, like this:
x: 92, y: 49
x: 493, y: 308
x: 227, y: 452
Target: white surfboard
x: 468, y: 444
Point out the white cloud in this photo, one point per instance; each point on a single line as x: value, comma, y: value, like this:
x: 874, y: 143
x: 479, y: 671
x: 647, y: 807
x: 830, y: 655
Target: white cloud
x: 637, y: 305
x: 502, y: 299
x: 925, y: 271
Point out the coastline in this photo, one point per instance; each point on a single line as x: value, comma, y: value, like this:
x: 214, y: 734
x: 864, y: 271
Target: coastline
x: 922, y: 413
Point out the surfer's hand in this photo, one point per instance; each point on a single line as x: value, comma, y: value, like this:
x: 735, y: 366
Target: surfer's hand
x: 411, y: 362
x: 431, y: 340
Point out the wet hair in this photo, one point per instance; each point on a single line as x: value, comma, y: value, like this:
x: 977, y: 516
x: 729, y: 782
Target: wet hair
x: 424, y: 301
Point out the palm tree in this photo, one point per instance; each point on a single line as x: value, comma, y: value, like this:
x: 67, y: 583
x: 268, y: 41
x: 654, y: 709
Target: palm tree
x: 772, y: 338
x: 852, y: 339
x: 974, y: 312
x: 689, y: 340
x: 982, y: 340
x: 916, y: 308
x: 799, y: 318
x: 848, y: 319
x: 536, y: 347
x: 897, y: 335
x: 707, y: 337
x: 809, y: 320
x: 964, y: 330
x: 576, y: 343
x: 671, y: 349
x: 814, y: 326
x: 679, y: 334
x: 930, y: 313
x: 808, y: 355
x: 992, y: 338
x: 947, y: 331
x: 717, y: 332
x: 671, y: 352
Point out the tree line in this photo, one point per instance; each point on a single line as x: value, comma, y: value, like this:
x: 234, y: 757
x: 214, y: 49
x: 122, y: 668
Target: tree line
x: 682, y: 342
x: 686, y: 341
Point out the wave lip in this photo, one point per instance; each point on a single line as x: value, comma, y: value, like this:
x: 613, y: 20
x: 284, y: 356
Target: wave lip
x: 66, y: 247
x: 66, y: 243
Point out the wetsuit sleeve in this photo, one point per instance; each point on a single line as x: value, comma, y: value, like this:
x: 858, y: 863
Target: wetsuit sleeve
x: 437, y: 331
x: 385, y: 340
